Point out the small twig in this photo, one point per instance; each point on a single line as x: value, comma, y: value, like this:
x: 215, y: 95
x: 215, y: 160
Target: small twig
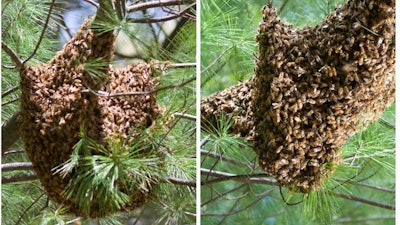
x: 216, y: 59
x: 387, y: 123
x: 223, y: 176
x: 223, y: 158
x: 12, y: 54
x: 18, y: 178
x: 43, y: 32
x: 29, y: 207
x: 16, y: 166
x: 181, y: 65
x: 363, y: 200
x: 92, y: 3
x: 11, y: 152
x: 9, y: 91
x: 221, y: 195
x: 364, y: 219
x: 366, y: 185
x: 163, y: 19
x: 155, y: 4
x: 185, y: 116
x: 242, y: 209
x: 9, y: 102
x: 180, y: 181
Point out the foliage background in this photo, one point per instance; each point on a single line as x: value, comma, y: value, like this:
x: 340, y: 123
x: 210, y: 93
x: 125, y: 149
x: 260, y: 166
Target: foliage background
x: 228, y: 28
x: 25, y: 202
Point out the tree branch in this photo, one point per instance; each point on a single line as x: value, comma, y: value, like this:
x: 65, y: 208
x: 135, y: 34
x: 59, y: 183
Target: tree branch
x: 179, y: 181
x: 43, y: 32
x: 232, y: 212
x: 9, y: 91
x: 155, y: 4
x: 165, y: 18
x: 223, y: 158
x: 12, y: 54
x: 18, y: 178
x: 185, y: 116
x: 16, y: 166
x: 363, y: 200
x: 247, y: 178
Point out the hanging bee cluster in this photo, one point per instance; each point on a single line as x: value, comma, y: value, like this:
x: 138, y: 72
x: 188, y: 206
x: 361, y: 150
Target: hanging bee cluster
x: 315, y: 87
x: 60, y: 97
x: 234, y: 103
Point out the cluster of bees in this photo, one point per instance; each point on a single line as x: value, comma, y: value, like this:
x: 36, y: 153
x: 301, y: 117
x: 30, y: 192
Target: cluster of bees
x: 56, y: 103
x: 234, y: 103
x: 315, y: 87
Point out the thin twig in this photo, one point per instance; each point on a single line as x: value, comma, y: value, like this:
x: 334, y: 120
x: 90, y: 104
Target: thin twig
x: 242, y: 209
x: 363, y: 200
x: 247, y: 178
x: 92, y: 3
x: 18, y: 178
x: 179, y: 181
x: 387, y: 123
x: 364, y: 219
x: 9, y: 91
x: 162, y: 19
x: 180, y: 65
x: 10, y: 102
x: 155, y: 4
x: 216, y: 59
x: 366, y: 185
x: 16, y: 166
x: 185, y: 116
x: 18, y: 62
x: 12, y: 152
x: 222, y: 194
x: 223, y: 158
x: 29, y: 207
x: 43, y: 32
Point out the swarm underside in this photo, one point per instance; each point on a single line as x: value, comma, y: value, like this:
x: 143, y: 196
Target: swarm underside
x: 57, y: 100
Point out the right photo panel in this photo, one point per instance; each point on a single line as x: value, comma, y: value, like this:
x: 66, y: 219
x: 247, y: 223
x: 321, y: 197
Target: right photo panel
x: 297, y: 112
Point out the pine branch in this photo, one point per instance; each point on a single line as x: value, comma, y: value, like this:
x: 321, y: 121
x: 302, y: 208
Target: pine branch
x: 207, y: 153
x: 366, y: 201
x: 42, y: 34
x: 246, y: 178
x: 18, y: 178
x: 179, y: 181
x: 392, y: 191
x: 155, y: 4
x: 10, y: 91
x: 16, y: 166
x: 232, y: 212
x: 365, y: 219
x: 165, y: 18
x: 185, y: 116
x: 12, y: 54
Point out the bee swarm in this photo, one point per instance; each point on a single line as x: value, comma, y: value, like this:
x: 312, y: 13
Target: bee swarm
x: 54, y: 106
x: 313, y: 89
x: 233, y: 102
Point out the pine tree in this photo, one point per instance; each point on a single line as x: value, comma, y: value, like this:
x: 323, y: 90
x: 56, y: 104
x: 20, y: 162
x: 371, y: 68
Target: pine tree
x: 99, y: 143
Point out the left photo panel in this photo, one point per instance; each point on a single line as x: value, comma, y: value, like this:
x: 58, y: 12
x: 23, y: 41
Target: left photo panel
x: 98, y: 112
